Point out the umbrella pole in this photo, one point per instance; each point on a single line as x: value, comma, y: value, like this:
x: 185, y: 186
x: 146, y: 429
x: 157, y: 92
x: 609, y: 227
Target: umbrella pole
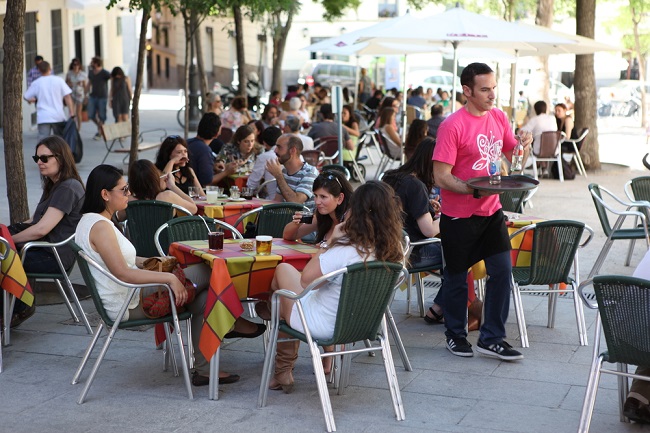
x: 403, y: 108
x: 455, y: 69
x: 513, y: 91
x: 356, y: 88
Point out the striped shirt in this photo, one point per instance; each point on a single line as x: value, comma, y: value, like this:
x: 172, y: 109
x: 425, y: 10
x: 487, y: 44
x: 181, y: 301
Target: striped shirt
x: 302, y: 181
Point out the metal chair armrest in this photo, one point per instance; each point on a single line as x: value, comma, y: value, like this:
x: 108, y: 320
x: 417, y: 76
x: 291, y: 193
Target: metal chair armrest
x: 181, y: 209
x: 591, y: 235
x: 148, y: 131
x: 247, y: 214
x: 523, y: 229
x: 4, y: 242
x: 628, y: 190
x: 42, y: 244
x: 585, y: 300
x: 156, y: 239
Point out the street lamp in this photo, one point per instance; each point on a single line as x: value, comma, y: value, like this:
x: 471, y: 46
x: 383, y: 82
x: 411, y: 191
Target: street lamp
x: 194, y: 96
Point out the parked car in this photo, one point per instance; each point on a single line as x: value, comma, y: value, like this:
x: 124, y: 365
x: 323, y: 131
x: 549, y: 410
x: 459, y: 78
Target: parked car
x: 557, y: 91
x: 433, y: 80
x: 621, y: 91
x: 328, y: 73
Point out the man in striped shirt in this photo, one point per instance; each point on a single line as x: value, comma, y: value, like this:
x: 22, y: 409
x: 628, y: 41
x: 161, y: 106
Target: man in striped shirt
x: 295, y: 178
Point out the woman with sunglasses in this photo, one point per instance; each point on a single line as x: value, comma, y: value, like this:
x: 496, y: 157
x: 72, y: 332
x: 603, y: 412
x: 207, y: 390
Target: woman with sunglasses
x: 77, y: 79
x: 372, y: 230
x: 147, y: 183
x: 213, y: 102
x: 332, y: 193
x: 56, y: 215
x: 173, y: 158
x: 108, y: 193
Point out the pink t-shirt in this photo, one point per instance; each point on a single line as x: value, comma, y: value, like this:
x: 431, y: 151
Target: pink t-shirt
x: 467, y: 142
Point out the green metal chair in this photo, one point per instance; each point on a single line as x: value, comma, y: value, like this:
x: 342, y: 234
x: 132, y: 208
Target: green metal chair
x: 638, y: 189
x: 554, y: 251
x: 623, y: 305
x: 143, y: 217
x: 513, y: 201
x: 57, y: 277
x: 3, y: 255
x: 189, y: 228
x: 85, y: 265
x: 271, y: 218
x: 366, y: 292
x: 617, y: 232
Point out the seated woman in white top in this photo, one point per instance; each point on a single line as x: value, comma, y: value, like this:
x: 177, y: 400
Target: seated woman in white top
x: 107, y: 193
x: 372, y: 230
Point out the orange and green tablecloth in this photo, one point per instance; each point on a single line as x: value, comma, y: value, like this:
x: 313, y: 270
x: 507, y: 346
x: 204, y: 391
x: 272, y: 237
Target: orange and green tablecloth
x: 230, y: 211
x: 236, y: 275
x: 12, y: 275
x: 239, y: 180
x: 522, y: 244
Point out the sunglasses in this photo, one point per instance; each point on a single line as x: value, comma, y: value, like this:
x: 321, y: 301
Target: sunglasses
x: 330, y: 176
x: 43, y: 158
x: 124, y: 190
x: 173, y: 137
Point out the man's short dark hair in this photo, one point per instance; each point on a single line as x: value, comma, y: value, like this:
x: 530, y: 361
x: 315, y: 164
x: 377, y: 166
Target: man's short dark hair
x: 294, y: 142
x: 471, y: 71
x: 326, y: 111
x: 293, y: 123
x: 540, y: 107
x: 270, y: 135
x: 208, y: 126
x: 38, y: 59
x: 436, y: 110
x: 43, y: 67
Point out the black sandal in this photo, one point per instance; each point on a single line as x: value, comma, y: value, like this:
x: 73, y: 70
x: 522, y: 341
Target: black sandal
x: 437, y: 318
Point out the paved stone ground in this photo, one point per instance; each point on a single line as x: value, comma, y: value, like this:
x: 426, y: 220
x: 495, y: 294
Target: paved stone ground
x: 542, y: 393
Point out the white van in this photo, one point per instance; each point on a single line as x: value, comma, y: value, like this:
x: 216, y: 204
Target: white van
x: 328, y: 73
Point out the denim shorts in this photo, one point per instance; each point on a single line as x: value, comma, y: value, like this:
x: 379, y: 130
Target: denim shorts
x: 97, y: 108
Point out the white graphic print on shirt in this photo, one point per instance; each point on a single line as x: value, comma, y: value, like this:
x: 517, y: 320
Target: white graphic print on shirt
x: 490, y: 149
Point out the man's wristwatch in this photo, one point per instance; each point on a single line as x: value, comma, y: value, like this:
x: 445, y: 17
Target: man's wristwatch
x: 476, y: 193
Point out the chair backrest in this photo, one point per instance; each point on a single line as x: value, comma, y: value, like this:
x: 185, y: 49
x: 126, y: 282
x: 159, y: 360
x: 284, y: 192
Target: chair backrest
x: 268, y: 188
x: 383, y: 145
x: 594, y: 189
x: 366, y: 291
x: 84, y: 268
x: 143, y: 219
x: 225, y: 135
x: 312, y: 157
x: 190, y: 228
x: 554, y: 247
x: 624, y: 307
x: 549, y: 144
x: 272, y: 218
x: 336, y: 167
x: 640, y: 188
x: 513, y: 201
x: 329, y: 146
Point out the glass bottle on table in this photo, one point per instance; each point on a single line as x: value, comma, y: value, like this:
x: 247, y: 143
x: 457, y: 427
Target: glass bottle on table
x: 494, y: 168
x: 517, y: 157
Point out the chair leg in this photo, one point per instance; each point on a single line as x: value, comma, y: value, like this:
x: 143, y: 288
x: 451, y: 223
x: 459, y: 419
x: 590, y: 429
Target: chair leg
x: 391, y: 375
x: 559, y: 167
x: 7, y: 306
x: 552, y: 303
x: 580, y: 316
x: 89, y: 350
x: 519, y: 314
x: 578, y: 159
x: 98, y: 361
x: 630, y: 250
x: 409, y: 283
x: 190, y: 345
x: 344, y: 374
x: 590, y: 395
x: 321, y: 383
x: 179, y: 340
x: 80, y: 309
x: 601, y: 258
x: 267, y: 370
x: 67, y: 301
x: 213, y: 386
x: 398, y: 340
x: 623, y: 390
x: 419, y: 285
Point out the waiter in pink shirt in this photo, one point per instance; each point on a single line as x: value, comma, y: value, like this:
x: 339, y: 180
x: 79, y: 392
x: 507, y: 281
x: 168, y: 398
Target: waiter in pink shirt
x: 472, y: 224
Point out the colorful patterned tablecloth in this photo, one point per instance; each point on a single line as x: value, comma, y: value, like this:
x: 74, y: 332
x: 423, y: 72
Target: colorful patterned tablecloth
x: 522, y: 244
x: 239, y: 180
x: 236, y: 275
x: 12, y: 274
x: 230, y: 211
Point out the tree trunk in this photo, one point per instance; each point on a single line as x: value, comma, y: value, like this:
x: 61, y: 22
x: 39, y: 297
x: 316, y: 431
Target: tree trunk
x: 239, y: 41
x: 14, y: 43
x: 200, y: 66
x: 186, y: 72
x: 585, y: 86
x: 135, y: 113
x: 280, y: 34
x: 641, y: 60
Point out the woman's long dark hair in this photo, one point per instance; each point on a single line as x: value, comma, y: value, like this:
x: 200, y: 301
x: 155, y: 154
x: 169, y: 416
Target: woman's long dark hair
x: 101, y: 177
x: 420, y: 165
x: 165, y: 152
x: 353, y: 117
x: 144, y: 180
x: 63, y: 154
x: 417, y: 133
x: 335, y: 183
x: 374, y: 222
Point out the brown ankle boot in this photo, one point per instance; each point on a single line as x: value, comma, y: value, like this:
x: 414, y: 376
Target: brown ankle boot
x: 285, y: 358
